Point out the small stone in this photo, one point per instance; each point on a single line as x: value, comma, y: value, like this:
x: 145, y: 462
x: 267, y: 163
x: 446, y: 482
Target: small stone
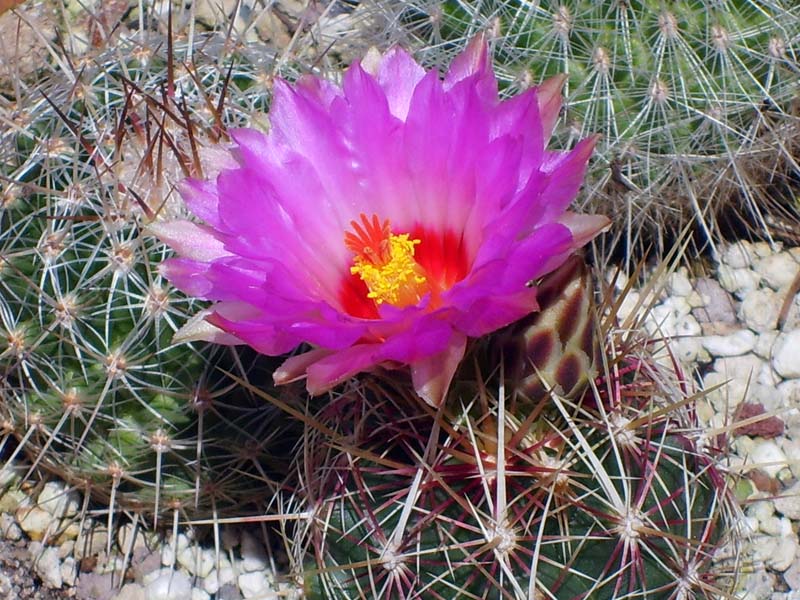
x: 131, y: 591
x: 254, y: 585
x: 759, y: 585
x: 254, y: 556
x: 761, y: 426
x: 67, y: 532
x: 229, y: 591
x: 169, y: 585
x: 735, y: 344
x: 761, y: 510
x: 197, y: 561
x: 9, y: 528
x: 771, y: 526
x: 100, y: 585
x: 768, y: 456
x: 788, y: 502
x: 784, y: 554
x: 678, y: 283
x: 717, y: 306
x: 763, y: 547
x: 66, y: 549
x: 198, y: 594
x: 791, y: 448
x: 760, y: 310
x: 168, y: 557
x: 218, y: 579
x: 764, y: 344
x: 48, y: 567
x: 36, y: 522
x: 769, y: 378
x: 785, y: 355
x: 687, y: 327
x: 125, y: 537
x: 764, y: 249
x: 792, y: 575
x: 738, y: 255
x: 789, y: 392
x: 690, y: 350
x: 778, y: 270
x: 91, y: 542
x: 738, y: 281
x: 12, y: 500
x: 743, y: 367
x: 69, y: 571
x: 58, y: 501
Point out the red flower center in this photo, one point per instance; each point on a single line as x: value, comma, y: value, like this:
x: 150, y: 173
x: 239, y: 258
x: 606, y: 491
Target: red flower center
x: 398, y: 269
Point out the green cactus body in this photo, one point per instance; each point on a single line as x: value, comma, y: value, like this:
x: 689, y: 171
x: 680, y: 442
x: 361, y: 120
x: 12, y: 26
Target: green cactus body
x: 694, y: 99
x: 522, y: 493
x: 91, y: 381
x: 584, y: 510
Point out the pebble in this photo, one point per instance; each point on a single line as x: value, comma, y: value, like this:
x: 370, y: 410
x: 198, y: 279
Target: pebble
x: 9, y: 528
x: 168, y: 584
x: 12, y: 500
x: 678, y: 284
x: 717, y: 304
x: 760, y: 310
x: 255, y: 585
x: 69, y: 570
x: 786, y: 354
x: 131, y: 591
x: 738, y: 281
x: 788, y: 502
x: 738, y: 255
x: 35, y: 522
x: 769, y: 457
x: 46, y: 564
x: 197, y: 561
x: 778, y: 270
x: 57, y: 500
x: 784, y: 553
x: 735, y: 344
x: 219, y: 578
x: 792, y: 575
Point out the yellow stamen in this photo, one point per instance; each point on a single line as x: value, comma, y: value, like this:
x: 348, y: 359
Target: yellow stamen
x: 385, y: 263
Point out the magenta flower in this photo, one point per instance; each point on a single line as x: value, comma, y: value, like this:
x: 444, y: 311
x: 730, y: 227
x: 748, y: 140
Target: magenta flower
x: 383, y: 222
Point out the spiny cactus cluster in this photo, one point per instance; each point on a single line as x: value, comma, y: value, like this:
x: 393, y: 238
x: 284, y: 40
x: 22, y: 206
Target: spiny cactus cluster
x: 697, y: 101
x: 93, y: 387
x: 602, y: 490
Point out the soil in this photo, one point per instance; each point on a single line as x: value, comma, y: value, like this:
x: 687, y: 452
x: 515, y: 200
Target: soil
x: 17, y: 581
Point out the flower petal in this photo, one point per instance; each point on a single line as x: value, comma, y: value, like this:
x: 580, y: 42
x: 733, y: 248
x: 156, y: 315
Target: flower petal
x: 193, y: 241
x: 433, y: 375
x: 399, y: 75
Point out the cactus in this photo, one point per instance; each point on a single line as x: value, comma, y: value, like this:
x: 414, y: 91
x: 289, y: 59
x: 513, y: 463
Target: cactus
x: 93, y: 387
x: 696, y: 101
x: 605, y: 495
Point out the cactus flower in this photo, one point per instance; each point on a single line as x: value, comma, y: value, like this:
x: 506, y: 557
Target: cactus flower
x: 383, y: 222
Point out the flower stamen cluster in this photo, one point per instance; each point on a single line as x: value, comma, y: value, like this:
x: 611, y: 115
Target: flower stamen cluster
x: 385, y: 263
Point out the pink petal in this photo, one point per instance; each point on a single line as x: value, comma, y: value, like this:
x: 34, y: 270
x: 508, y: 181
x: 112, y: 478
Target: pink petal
x: 197, y: 329
x: 584, y: 228
x: 549, y: 98
x: 473, y: 64
x: 399, y: 75
x: 433, y: 375
x: 193, y: 241
x: 294, y: 368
